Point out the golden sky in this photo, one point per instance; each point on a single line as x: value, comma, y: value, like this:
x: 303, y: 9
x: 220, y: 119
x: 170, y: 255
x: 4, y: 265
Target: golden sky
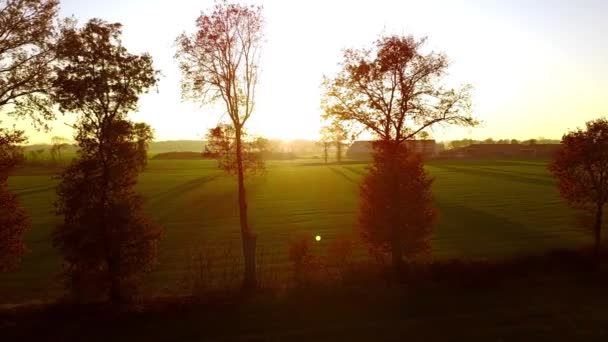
x: 538, y: 68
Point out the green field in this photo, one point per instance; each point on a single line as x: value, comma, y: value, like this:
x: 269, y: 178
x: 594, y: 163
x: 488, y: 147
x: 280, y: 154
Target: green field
x: 488, y: 209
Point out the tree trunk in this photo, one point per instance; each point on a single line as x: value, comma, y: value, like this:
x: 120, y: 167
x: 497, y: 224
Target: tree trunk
x: 116, y: 295
x: 339, y: 152
x: 597, y: 229
x: 325, y: 152
x: 248, y: 238
x: 396, y: 246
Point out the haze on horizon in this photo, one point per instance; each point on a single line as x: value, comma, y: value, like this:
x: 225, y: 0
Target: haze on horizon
x: 538, y: 69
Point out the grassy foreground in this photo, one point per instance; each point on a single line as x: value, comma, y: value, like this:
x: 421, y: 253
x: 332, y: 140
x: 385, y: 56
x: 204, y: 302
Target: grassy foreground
x: 488, y: 209
x: 552, y: 298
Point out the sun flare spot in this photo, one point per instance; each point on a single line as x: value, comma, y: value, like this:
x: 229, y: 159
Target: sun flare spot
x: 318, y: 238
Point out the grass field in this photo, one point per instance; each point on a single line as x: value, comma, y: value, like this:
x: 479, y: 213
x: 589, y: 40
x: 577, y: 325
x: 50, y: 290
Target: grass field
x: 488, y: 209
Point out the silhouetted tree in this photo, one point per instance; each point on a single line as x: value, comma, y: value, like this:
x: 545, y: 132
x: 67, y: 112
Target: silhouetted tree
x: 144, y: 135
x: 394, y: 90
x: 27, y: 40
x: 398, y: 222
x: 462, y: 143
x: 57, y: 144
x: 13, y: 218
x: 325, y: 144
x: 337, y: 134
x: 105, y: 238
x: 27, y: 34
x: 424, y: 135
x: 220, y: 62
x: 221, y: 142
x: 514, y: 141
x: 581, y: 169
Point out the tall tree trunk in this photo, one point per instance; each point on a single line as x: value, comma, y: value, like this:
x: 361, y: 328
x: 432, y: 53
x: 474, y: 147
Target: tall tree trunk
x: 112, y: 263
x: 339, y: 152
x: 396, y: 246
x: 597, y: 229
x: 325, y: 152
x: 116, y: 295
x: 248, y: 238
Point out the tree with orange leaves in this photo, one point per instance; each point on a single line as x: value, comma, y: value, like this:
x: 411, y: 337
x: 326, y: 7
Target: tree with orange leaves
x: 396, y: 213
x: 13, y: 218
x: 581, y: 169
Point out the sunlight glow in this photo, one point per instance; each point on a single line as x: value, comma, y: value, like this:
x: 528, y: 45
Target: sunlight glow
x: 532, y: 75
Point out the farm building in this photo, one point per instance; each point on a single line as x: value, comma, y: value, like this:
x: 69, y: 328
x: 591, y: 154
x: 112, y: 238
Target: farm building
x: 363, y: 149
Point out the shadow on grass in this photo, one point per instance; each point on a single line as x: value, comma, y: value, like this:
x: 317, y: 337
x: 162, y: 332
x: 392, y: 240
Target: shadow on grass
x: 467, y: 231
x: 184, y: 188
x: 497, y: 175
x: 344, y: 175
x: 348, y: 162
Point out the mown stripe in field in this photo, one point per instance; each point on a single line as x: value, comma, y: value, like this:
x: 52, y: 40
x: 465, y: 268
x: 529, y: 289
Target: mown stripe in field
x: 184, y: 188
x: 357, y: 171
x: 36, y: 190
x: 344, y: 175
x: 511, y: 171
x: 500, y: 175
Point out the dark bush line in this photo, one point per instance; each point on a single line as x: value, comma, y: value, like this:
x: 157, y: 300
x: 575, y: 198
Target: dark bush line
x: 475, y: 274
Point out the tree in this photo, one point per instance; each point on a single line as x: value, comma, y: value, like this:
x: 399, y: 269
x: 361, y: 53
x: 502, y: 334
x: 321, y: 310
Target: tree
x: 105, y: 238
x: 336, y: 133
x: 57, y: 144
x: 514, y: 141
x: 396, y: 222
x: 581, y: 169
x: 26, y: 51
x: 13, y: 219
x: 395, y: 91
x: 424, y: 135
x: 220, y: 62
x: 221, y: 142
x: 325, y: 143
x: 27, y: 32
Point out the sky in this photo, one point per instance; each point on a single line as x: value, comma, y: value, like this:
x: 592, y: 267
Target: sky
x: 538, y: 68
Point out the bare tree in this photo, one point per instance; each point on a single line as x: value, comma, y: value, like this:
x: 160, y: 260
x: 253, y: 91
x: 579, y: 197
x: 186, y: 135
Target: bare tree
x: 220, y: 62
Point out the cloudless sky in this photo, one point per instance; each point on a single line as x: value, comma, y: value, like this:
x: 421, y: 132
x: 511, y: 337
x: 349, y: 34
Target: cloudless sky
x: 538, y: 68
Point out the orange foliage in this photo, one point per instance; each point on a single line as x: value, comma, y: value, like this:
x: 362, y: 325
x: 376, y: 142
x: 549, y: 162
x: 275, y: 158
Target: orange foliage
x: 396, y: 213
x: 13, y: 218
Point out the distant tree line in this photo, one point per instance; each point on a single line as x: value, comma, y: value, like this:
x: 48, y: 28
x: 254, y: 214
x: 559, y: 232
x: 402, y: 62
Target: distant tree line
x: 468, y: 142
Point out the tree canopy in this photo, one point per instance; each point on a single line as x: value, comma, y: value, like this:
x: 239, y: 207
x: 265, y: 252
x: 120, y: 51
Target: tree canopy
x: 395, y: 90
x: 581, y: 169
x: 28, y: 32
